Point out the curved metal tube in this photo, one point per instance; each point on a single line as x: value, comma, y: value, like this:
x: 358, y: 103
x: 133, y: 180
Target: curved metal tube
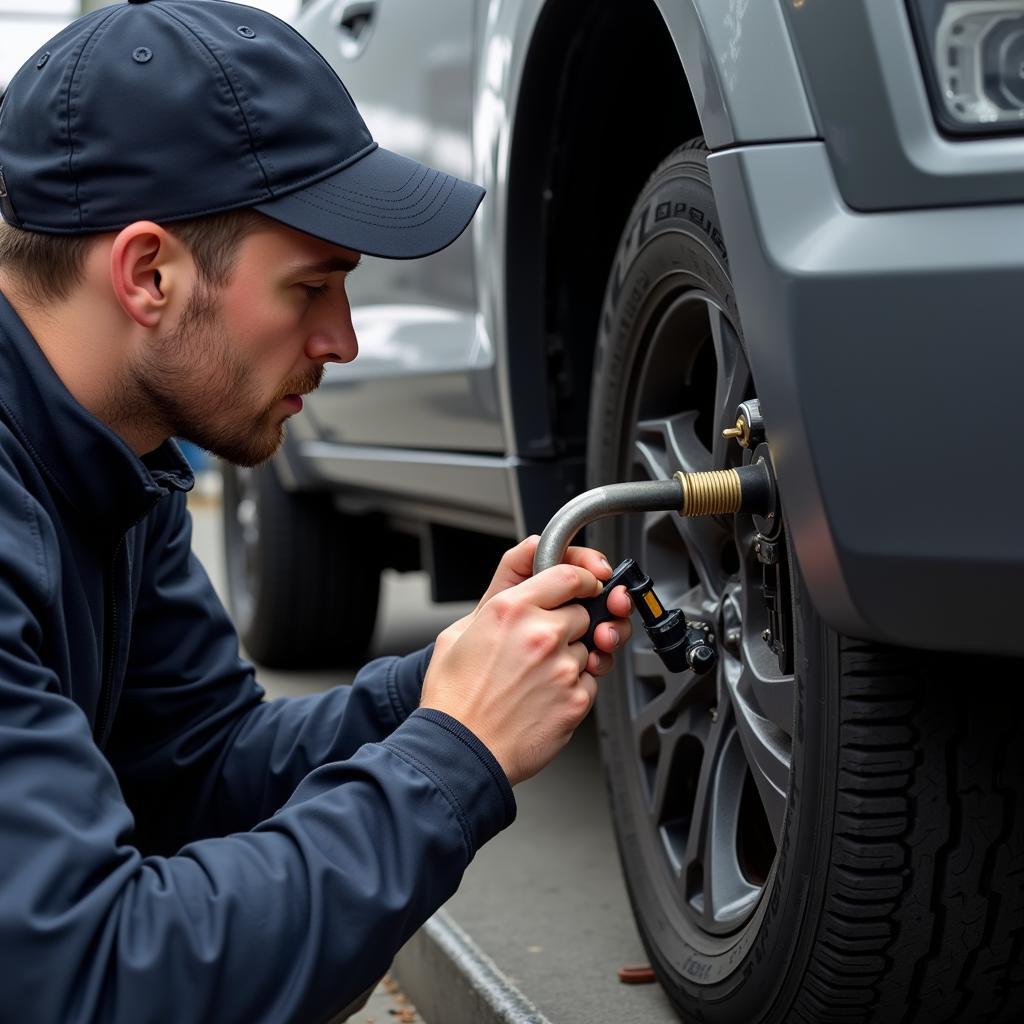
x: 610, y: 500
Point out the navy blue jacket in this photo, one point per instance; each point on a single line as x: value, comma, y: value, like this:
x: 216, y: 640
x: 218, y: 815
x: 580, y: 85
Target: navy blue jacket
x: 172, y: 846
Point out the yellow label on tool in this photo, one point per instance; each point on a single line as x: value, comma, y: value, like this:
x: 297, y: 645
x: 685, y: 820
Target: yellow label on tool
x: 652, y: 603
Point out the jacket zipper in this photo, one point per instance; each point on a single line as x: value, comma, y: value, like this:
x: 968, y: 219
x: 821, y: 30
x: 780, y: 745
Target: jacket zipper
x: 107, y: 685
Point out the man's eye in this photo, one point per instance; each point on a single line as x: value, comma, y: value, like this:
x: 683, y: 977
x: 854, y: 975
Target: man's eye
x: 313, y: 290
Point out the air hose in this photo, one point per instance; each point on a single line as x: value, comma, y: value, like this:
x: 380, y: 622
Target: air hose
x: 680, y: 643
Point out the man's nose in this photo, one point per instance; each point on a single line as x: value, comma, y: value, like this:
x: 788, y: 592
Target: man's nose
x: 337, y: 344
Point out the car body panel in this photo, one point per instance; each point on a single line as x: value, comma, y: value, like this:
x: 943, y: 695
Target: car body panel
x: 742, y: 70
x: 885, y: 148
x: 884, y: 348
x: 424, y: 379
x: 412, y: 75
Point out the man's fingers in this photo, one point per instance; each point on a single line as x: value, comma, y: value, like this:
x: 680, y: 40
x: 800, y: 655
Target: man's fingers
x: 582, y: 655
x: 620, y: 603
x: 589, y: 684
x: 561, y: 583
x: 589, y: 559
x: 610, y: 636
x: 515, y: 566
x: 575, y: 622
x: 518, y: 561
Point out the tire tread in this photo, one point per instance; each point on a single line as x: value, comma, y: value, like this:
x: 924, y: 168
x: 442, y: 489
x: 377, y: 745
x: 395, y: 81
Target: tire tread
x: 925, y: 894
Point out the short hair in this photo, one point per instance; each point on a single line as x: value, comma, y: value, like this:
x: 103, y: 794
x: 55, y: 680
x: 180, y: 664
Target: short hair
x: 50, y: 267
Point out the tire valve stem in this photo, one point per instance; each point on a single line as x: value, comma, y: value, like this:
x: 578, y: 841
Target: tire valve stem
x: 679, y: 643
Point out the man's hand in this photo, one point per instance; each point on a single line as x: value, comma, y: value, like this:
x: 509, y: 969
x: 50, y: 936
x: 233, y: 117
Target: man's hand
x: 514, y: 670
x: 516, y: 565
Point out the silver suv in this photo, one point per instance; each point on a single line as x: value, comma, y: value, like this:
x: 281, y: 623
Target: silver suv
x: 815, y: 208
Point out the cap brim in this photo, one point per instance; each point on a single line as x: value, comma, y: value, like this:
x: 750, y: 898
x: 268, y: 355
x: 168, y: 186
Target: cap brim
x: 382, y: 205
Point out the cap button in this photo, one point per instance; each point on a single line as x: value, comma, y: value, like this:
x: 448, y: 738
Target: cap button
x: 138, y: 1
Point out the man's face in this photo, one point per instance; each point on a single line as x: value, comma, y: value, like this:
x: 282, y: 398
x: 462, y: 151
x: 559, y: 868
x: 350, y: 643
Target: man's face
x: 231, y: 370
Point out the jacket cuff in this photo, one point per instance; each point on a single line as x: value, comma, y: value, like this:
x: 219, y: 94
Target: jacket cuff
x: 462, y: 768
x: 405, y: 682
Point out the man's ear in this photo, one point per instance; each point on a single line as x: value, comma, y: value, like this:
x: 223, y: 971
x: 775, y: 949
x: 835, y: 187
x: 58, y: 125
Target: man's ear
x: 146, y: 264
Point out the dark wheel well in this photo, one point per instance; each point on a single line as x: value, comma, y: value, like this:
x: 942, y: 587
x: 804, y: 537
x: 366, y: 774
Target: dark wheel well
x: 603, y: 100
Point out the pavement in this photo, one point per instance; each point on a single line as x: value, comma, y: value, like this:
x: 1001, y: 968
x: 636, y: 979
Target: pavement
x: 541, y: 923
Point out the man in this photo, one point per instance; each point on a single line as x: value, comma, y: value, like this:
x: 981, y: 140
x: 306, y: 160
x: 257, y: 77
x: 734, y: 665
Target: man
x: 185, y: 185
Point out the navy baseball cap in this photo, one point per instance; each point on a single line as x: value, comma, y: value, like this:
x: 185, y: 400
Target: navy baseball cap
x: 166, y: 110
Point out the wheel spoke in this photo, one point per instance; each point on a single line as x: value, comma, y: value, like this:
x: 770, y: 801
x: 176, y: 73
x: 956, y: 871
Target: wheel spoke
x: 657, y: 722
x: 645, y: 662
x: 663, y: 446
x: 656, y: 544
x: 728, y: 895
x: 673, y: 444
x: 666, y: 773
x: 717, y: 888
x: 766, y: 750
x: 695, y: 604
x: 678, y: 687
x: 699, y: 846
x: 772, y: 694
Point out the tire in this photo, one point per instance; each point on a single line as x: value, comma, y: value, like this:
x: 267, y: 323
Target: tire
x: 829, y: 833
x: 303, y: 579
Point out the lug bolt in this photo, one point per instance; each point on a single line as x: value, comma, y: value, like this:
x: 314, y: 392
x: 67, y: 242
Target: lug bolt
x: 701, y: 658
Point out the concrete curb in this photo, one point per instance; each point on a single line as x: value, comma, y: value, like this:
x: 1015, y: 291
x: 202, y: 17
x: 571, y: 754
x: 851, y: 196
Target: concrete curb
x: 450, y: 980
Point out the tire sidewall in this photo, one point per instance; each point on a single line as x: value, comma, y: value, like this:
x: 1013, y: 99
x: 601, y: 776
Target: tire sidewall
x: 673, y: 230
x: 312, y: 598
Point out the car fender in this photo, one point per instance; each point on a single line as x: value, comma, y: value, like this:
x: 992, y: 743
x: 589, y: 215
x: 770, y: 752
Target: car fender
x: 740, y: 67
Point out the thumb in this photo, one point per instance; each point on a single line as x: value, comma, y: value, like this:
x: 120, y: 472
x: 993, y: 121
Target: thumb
x: 515, y: 566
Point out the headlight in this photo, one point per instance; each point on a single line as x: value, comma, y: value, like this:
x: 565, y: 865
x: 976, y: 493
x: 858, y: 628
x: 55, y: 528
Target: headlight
x: 973, y: 52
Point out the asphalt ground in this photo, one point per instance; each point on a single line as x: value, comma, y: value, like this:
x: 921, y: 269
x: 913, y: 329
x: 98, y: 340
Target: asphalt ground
x: 544, y: 899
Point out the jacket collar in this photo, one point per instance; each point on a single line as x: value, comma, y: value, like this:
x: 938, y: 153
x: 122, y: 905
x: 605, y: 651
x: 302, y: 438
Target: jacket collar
x: 86, y: 463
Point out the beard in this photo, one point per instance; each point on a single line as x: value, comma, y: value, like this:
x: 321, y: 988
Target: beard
x: 194, y: 384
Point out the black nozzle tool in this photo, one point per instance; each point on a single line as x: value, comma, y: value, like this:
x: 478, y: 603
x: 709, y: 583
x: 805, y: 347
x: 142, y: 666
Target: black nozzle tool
x: 681, y: 645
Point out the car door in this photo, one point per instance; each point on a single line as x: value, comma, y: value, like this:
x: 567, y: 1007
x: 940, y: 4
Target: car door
x: 409, y: 67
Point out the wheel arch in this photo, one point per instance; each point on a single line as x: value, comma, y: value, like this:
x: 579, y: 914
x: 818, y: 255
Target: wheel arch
x: 603, y: 98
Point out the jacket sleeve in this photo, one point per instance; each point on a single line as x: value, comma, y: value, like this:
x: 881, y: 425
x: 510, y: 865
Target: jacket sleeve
x: 286, y: 922
x: 198, y: 751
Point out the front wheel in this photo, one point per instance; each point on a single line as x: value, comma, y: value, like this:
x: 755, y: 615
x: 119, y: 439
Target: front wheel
x: 823, y: 830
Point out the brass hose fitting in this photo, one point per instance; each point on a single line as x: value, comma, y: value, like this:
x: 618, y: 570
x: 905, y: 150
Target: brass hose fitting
x: 720, y: 492
x: 739, y: 433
